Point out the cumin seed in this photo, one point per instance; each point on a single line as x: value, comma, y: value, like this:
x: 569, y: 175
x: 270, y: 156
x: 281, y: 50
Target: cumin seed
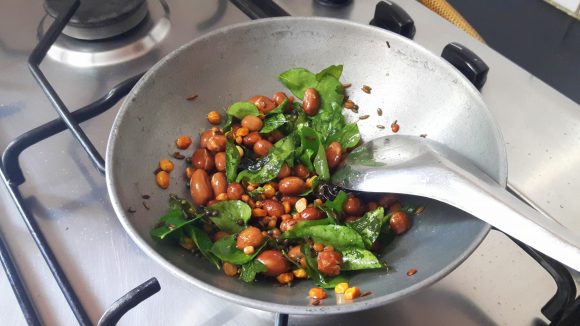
x: 367, y: 89
x: 363, y: 117
x: 380, y: 126
x: 379, y: 111
x: 192, y: 97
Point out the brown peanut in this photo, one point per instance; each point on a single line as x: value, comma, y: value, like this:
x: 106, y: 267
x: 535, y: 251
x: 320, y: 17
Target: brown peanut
x: 274, y: 262
x: 311, y: 213
x: 251, y: 236
x: 220, y: 161
x: 219, y: 184
x: 311, y: 102
x: 291, y: 186
x: 262, y: 147
x: 333, y: 154
x: 251, y: 139
x: 399, y: 222
x: 204, y: 137
x: 352, y: 206
x: 202, y: 159
x: 200, y: 187
x: 251, y: 122
x: 263, y: 103
x: 235, y: 191
x: 301, y: 171
x: 273, y: 207
x: 217, y: 143
x: 285, y: 171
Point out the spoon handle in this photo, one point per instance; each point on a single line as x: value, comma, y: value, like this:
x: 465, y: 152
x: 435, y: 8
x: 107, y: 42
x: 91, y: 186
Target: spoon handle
x: 485, y: 199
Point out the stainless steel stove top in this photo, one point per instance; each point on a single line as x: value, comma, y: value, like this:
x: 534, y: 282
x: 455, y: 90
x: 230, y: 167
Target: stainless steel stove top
x: 498, y: 284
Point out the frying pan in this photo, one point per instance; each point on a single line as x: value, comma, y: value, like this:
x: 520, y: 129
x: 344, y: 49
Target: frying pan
x: 410, y: 84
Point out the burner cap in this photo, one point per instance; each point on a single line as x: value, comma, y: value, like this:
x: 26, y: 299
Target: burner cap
x: 99, y: 19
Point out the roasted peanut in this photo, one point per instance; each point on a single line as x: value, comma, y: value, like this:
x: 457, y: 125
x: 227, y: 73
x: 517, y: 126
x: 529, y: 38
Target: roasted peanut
x: 317, y: 293
x: 279, y: 97
x: 301, y: 171
x: 273, y: 207
x: 230, y: 269
x: 352, y: 206
x: 162, y: 179
x: 262, y: 147
x: 263, y: 103
x: 329, y: 262
x: 333, y: 154
x: 251, y: 139
x: 288, y: 225
x: 235, y: 191
x: 274, y: 262
x: 204, y: 137
x: 217, y: 143
x: 285, y: 171
x: 311, y: 213
x: 183, y: 142
x: 220, y: 234
x: 202, y: 159
x: 219, y: 184
x: 399, y: 222
x: 214, y: 118
x: 250, y: 236
x: 387, y: 200
x: 251, y: 122
x: 200, y: 187
x: 290, y: 199
x: 166, y: 165
x: 291, y: 186
x: 311, y: 102
x: 220, y: 161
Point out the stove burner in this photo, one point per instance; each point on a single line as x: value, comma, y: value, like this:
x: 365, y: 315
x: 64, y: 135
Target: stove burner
x: 137, y: 42
x: 100, y: 19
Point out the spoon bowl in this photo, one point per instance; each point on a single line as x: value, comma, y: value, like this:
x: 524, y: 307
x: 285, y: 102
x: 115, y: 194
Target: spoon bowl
x: 419, y: 166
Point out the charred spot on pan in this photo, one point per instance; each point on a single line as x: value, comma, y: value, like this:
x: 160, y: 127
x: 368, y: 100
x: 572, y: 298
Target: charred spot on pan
x: 388, y: 44
x: 423, y: 135
x: 145, y: 197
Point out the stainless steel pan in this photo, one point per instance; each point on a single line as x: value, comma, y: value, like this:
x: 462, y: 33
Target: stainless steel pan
x: 417, y: 88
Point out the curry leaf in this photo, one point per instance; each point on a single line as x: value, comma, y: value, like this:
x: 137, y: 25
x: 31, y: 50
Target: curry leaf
x: 225, y: 249
x: 297, y: 80
x: 349, y: 136
x: 230, y: 215
x: 369, y: 226
x: 242, y: 109
x: 267, y: 168
x: 202, y: 242
x: 334, y: 70
x: 176, y: 218
x: 321, y: 165
x: 356, y: 259
x: 338, y: 236
x: 232, y: 161
x: 309, y: 145
x: 279, y: 108
x: 338, y: 202
x: 251, y: 269
x: 273, y: 122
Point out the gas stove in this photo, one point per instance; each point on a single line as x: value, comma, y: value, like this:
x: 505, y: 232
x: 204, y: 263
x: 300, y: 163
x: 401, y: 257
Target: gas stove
x: 93, y: 63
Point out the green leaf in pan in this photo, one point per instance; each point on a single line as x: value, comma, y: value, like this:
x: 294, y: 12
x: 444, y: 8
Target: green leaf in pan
x: 321, y: 165
x: 338, y: 236
x: 309, y: 144
x: 225, y: 249
x: 369, y: 226
x: 232, y: 161
x: 175, y: 218
x: 357, y: 259
x: 202, y: 242
x: 279, y: 108
x: 273, y: 122
x: 267, y: 168
x: 251, y: 269
x: 242, y: 109
x: 312, y: 270
x: 232, y: 215
x: 297, y: 80
x: 334, y: 70
x: 337, y: 203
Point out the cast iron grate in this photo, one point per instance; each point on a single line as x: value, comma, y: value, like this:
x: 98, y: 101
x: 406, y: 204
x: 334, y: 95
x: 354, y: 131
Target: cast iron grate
x: 562, y: 309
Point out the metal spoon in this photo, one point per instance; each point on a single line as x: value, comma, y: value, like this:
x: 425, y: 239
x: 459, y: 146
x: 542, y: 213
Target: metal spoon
x: 419, y: 166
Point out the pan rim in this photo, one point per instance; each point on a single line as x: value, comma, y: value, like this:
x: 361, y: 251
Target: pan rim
x: 270, y: 306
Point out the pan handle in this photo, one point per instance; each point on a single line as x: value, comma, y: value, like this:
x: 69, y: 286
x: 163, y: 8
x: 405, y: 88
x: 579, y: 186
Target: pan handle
x: 390, y: 16
x: 467, y: 62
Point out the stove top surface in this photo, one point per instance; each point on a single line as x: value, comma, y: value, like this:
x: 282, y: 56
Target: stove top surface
x: 69, y: 199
